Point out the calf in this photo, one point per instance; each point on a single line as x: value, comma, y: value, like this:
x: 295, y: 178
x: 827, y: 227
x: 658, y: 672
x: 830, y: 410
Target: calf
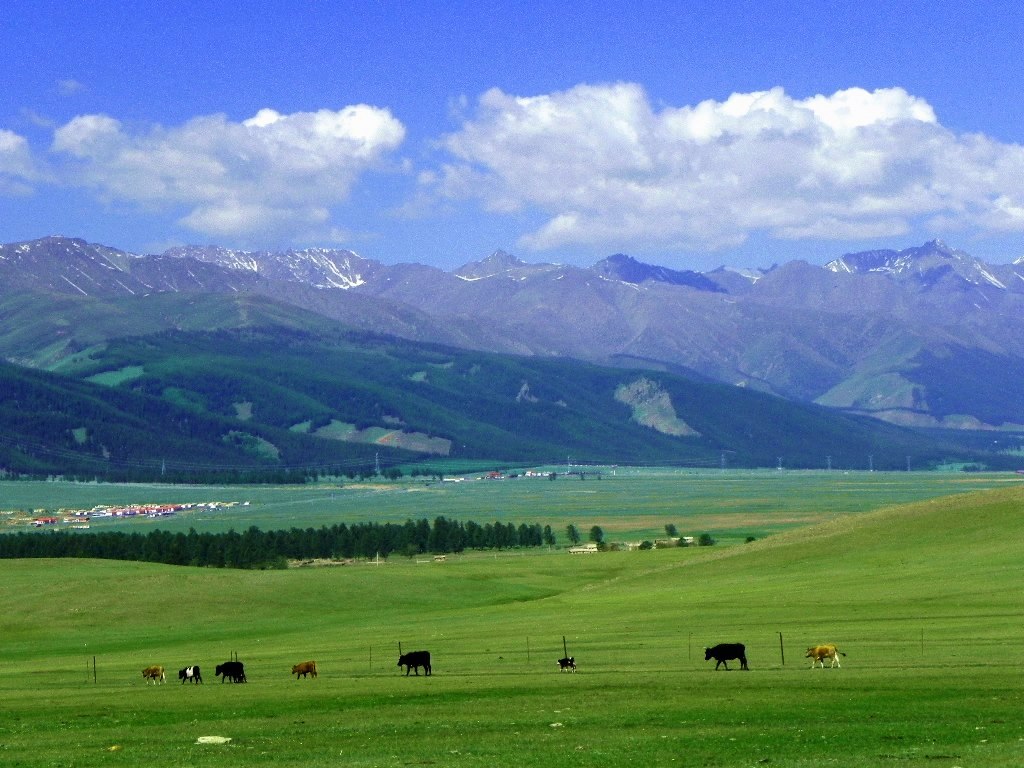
x: 818, y: 654
x: 723, y: 652
x: 304, y: 669
x: 567, y: 664
x: 190, y: 674
x: 415, y: 660
x: 233, y: 669
x: 154, y: 673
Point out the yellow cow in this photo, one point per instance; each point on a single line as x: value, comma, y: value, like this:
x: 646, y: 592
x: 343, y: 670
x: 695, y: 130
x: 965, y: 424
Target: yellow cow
x: 818, y: 653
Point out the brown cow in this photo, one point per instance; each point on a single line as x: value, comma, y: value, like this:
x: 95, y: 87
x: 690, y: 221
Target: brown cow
x: 154, y: 673
x: 818, y: 654
x: 303, y: 669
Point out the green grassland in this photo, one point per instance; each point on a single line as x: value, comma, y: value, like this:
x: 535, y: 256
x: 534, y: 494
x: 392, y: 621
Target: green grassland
x: 925, y: 599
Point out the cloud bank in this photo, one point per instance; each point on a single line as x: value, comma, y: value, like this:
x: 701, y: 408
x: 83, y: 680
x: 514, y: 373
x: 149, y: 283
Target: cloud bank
x: 596, y: 166
x: 605, y: 167
x: 270, y: 175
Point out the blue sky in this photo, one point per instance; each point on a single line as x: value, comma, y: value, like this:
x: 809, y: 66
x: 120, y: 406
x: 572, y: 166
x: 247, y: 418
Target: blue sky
x: 744, y: 134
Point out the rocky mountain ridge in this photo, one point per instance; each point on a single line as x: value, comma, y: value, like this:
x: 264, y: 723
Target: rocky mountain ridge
x: 901, y: 335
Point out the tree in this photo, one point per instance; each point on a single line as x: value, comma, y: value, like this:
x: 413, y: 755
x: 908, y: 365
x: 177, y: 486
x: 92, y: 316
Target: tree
x: 596, y: 534
x: 705, y: 540
x: 572, y: 533
x: 671, y: 530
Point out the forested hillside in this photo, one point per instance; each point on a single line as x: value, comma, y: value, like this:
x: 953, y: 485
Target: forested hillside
x: 285, y: 404
x: 56, y: 425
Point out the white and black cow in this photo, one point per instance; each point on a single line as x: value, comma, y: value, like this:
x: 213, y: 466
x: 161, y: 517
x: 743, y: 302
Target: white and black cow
x: 190, y: 674
x: 567, y: 664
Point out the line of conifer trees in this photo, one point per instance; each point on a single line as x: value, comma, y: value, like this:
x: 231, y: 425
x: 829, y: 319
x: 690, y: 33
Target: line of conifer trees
x: 255, y: 548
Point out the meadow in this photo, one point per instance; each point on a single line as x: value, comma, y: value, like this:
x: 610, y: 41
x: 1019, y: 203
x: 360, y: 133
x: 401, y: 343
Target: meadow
x: 924, y: 597
x: 628, y: 503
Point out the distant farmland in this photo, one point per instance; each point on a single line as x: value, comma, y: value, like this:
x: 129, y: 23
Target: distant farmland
x: 627, y: 503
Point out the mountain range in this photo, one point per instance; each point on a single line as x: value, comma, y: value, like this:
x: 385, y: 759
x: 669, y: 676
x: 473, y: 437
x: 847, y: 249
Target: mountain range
x: 926, y: 337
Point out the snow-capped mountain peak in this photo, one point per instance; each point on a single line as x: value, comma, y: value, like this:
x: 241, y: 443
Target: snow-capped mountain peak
x: 318, y: 267
x: 926, y: 264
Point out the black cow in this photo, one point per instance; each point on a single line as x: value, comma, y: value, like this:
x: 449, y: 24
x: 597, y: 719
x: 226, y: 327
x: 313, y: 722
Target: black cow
x: 191, y: 674
x: 725, y: 651
x: 233, y: 669
x: 415, y: 660
x: 568, y: 664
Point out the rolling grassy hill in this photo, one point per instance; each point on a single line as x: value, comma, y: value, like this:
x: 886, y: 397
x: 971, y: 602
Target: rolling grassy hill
x: 338, y: 385
x: 214, y: 384
x: 924, y: 599
x: 55, y: 425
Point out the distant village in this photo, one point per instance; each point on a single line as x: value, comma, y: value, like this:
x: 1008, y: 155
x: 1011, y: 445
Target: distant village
x: 81, y: 518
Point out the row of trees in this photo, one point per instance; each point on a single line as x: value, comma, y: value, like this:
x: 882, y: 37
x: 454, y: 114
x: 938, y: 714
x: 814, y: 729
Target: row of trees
x: 273, y: 549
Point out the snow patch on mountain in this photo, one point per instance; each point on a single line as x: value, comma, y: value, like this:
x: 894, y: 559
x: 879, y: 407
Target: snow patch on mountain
x: 318, y: 267
x: 926, y: 264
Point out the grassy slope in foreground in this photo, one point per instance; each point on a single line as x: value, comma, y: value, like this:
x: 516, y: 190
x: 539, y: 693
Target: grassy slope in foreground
x: 925, y: 599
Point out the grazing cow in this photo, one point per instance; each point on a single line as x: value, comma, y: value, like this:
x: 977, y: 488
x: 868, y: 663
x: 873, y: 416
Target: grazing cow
x: 415, y: 660
x: 723, y: 652
x: 568, y: 664
x: 191, y: 674
x: 818, y: 654
x: 233, y: 669
x: 154, y: 673
x: 304, y: 669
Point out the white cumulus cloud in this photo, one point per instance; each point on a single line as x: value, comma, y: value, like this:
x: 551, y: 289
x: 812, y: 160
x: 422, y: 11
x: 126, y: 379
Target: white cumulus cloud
x: 272, y: 174
x: 605, y: 167
x: 18, y: 169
